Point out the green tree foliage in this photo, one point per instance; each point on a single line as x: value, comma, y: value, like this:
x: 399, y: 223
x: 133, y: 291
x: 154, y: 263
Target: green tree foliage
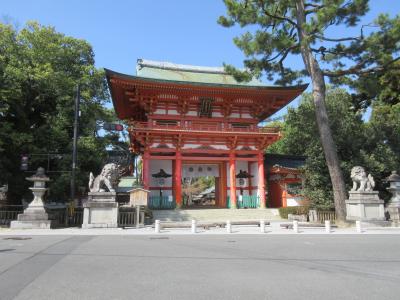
x: 280, y: 29
x: 382, y: 87
x: 39, y: 71
x: 373, y: 144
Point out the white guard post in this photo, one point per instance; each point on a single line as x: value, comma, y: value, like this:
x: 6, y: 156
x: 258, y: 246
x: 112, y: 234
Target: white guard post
x: 157, y: 226
x: 262, y: 226
x: 228, y: 227
x: 194, y: 229
x: 328, y: 226
x: 358, y: 226
x: 296, y: 226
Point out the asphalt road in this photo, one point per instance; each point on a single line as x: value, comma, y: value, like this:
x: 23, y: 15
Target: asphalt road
x: 201, y: 267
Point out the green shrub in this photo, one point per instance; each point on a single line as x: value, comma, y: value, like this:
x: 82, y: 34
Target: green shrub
x: 294, y: 210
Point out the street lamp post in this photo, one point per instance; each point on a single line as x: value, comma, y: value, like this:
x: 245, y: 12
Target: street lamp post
x: 75, y: 140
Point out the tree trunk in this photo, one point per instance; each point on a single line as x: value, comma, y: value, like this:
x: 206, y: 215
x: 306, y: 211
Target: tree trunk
x: 328, y: 145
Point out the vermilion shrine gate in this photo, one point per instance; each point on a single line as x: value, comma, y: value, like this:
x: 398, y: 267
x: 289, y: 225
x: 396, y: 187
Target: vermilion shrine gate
x: 193, y: 121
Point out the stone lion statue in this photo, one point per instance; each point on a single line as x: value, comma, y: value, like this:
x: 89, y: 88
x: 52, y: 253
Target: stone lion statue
x: 108, y: 178
x: 359, y: 176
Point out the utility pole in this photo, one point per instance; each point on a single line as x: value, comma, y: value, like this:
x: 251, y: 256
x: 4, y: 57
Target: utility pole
x: 75, y: 140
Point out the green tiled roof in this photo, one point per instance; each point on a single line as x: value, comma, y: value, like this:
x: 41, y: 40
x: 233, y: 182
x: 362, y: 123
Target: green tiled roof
x: 188, y: 73
x: 285, y: 161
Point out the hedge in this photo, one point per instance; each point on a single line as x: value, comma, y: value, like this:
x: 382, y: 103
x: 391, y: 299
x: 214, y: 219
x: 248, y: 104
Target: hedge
x: 294, y: 210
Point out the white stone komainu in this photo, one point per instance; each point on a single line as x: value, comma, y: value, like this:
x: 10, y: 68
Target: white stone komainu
x: 359, y: 177
x: 108, y: 178
x: 101, y: 209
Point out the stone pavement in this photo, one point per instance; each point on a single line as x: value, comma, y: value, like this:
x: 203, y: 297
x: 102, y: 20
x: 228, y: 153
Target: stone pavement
x: 202, y: 266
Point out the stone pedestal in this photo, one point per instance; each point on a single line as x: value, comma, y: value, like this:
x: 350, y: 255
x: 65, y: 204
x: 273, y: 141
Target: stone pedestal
x: 100, y: 211
x: 31, y: 220
x: 394, y: 212
x: 365, y: 206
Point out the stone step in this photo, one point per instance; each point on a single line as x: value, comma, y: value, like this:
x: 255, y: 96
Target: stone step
x: 216, y: 214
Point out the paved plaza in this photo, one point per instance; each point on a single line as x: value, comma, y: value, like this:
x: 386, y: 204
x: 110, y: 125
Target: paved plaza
x: 176, y: 265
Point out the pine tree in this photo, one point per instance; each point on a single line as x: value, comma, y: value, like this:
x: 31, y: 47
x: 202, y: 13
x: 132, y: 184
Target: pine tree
x: 298, y: 27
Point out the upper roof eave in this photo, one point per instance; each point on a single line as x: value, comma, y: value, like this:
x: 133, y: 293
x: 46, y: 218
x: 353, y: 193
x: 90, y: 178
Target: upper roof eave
x: 111, y: 73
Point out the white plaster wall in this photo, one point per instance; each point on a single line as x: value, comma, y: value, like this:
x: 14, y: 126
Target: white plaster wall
x: 190, y: 146
x: 172, y: 112
x: 191, y: 113
x: 194, y: 146
x: 254, y: 172
x: 155, y: 145
x: 246, y: 115
x: 220, y: 147
x: 295, y: 201
x: 251, y: 147
x: 216, y: 114
x: 160, y: 111
x: 234, y: 115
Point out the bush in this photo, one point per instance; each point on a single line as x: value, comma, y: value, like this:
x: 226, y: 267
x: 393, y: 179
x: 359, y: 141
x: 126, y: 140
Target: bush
x: 294, y: 210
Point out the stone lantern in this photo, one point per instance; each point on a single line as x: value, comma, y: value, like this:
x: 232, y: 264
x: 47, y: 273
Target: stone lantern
x: 393, y: 208
x: 34, y: 215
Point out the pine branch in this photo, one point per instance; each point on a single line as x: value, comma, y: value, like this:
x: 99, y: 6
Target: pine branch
x: 313, y: 5
x: 338, y: 40
x: 358, y: 69
x: 280, y: 18
x: 283, y: 53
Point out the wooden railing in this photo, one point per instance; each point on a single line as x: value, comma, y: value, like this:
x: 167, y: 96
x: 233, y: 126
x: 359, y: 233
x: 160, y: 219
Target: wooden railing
x: 64, y: 217
x: 60, y: 217
x: 164, y: 202
x: 245, y: 201
x: 206, y: 127
x: 323, y: 216
x: 126, y: 217
x: 9, y: 213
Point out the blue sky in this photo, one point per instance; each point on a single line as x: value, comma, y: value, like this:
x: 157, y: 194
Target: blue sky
x: 121, y: 31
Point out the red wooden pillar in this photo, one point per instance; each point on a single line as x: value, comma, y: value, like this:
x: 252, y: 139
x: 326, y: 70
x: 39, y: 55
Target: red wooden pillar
x: 232, y: 181
x: 284, y: 196
x: 261, y: 184
x: 178, y: 180
x: 146, y: 162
